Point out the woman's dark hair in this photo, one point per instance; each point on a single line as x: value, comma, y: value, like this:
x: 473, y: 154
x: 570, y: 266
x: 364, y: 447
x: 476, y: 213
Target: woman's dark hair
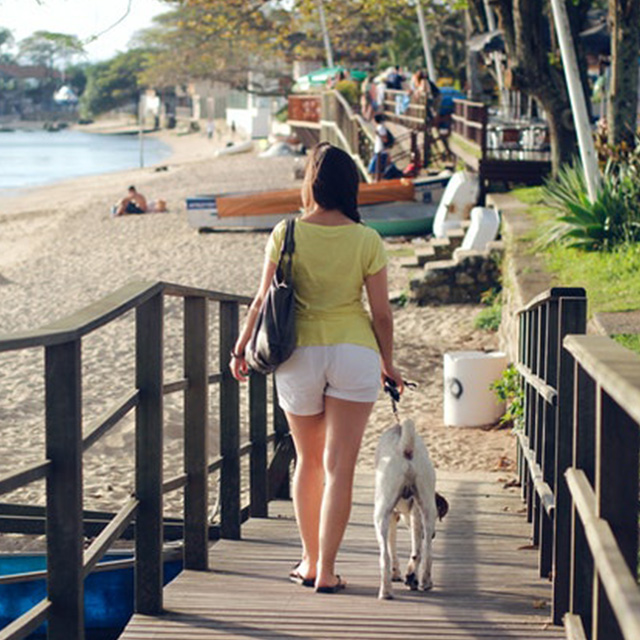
x: 331, y: 180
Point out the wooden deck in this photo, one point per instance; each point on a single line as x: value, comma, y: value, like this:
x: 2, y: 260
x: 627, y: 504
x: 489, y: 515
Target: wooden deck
x: 485, y: 574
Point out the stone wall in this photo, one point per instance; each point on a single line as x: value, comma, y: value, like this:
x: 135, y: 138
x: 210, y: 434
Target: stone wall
x: 463, y: 279
x: 523, y: 273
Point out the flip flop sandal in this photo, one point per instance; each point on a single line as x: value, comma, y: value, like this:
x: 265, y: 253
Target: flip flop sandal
x: 338, y: 586
x: 297, y: 578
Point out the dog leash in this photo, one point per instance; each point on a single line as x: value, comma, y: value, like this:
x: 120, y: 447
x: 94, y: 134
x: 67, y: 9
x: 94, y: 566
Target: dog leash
x: 391, y: 388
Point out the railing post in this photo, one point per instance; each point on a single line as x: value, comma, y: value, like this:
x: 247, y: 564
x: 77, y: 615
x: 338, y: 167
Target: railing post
x: 149, y: 362
x: 196, y: 400
x: 572, y: 320
x: 581, y: 590
x: 229, y: 426
x: 547, y: 371
x: 63, y: 414
x: 259, y: 486
x: 617, y: 441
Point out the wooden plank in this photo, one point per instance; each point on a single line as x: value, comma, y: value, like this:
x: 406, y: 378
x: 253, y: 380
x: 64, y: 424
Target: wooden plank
x: 149, y: 367
x: 258, y: 484
x: 63, y: 417
x: 573, y: 319
x: 17, y: 479
x: 229, y: 426
x: 542, y: 388
x: 106, y: 422
x: 182, y: 291
x: 555, y: 292
x: 581, y: 575
x: 613, y: 569
x: 485, y: 579
x: 573, y: 627
x: 617, y: 440
x: 108, y: 535
x: 27, y: 623
x: 616, y: 369
x: 196, y: 421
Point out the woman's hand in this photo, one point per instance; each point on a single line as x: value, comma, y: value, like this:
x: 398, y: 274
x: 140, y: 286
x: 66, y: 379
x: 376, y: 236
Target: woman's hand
x: 239, y: 367
x: 391, y: 372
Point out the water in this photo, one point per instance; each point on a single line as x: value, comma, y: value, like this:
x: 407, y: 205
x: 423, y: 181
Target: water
x: 31, y: 158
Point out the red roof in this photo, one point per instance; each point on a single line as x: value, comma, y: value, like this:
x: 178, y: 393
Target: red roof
x: 28, y: 71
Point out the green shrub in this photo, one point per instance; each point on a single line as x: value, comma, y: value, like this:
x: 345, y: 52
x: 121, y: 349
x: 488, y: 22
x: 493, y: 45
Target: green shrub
x: 509, y: 389
x: 350, y: 91
x: 489, y: 318
x: 629, y: 340
x: 612, y: 219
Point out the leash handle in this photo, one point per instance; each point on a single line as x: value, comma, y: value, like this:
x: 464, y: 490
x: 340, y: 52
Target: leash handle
x: 391, y: 388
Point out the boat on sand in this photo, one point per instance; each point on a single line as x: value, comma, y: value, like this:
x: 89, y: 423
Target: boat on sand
x: 392, y: 207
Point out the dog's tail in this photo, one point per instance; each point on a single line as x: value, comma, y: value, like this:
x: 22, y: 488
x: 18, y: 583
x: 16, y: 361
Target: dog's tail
x: 407, y: 439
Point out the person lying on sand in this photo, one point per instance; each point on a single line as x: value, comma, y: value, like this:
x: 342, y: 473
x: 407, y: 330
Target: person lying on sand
x: 135, y: 203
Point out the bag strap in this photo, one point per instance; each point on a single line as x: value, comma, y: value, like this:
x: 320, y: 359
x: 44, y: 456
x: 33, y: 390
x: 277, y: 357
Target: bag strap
x: 288, y: 247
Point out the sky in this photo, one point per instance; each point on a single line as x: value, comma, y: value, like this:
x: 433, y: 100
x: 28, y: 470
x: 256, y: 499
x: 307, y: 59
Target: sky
x: 82, y: 18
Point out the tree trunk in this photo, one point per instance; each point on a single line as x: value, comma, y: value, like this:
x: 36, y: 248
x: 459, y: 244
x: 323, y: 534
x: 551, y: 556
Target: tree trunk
x: 474, y: 86
x: 624, y: 17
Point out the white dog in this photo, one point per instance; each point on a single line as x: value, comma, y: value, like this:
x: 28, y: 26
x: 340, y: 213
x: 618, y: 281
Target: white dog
x: 405, y: 486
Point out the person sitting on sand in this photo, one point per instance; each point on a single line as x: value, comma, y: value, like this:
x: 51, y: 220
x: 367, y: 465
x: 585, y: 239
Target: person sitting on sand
x: 134, y: 203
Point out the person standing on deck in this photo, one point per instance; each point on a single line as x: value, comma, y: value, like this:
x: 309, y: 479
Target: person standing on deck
x: 329, y: 385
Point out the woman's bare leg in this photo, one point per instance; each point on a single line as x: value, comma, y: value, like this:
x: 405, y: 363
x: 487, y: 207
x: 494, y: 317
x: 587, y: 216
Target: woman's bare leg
x: 308, y: 434
x: 345, y: 424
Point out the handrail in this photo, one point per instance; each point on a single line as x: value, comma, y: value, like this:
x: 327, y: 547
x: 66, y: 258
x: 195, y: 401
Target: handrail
x: 614, y: 368
x: 620, y: 585
x: 65, y: 444
x: 544, y: 322
x: 586, y: 447
x: 96, y: 315
x: 109, y: 535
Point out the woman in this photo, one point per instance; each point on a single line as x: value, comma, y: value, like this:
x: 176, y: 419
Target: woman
x: 328, y: 386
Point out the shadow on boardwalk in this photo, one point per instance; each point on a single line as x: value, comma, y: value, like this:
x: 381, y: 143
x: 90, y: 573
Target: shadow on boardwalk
x: 486, y: 581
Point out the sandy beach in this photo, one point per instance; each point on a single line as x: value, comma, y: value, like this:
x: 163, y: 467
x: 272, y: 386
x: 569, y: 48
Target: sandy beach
x: 60, y: 249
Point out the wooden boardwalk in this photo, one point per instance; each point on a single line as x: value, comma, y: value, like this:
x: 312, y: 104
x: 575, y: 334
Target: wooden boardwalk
x: 485, y: 574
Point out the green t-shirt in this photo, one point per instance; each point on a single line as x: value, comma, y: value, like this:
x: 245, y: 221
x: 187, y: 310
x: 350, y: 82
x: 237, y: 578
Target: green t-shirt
x: 330, y: 264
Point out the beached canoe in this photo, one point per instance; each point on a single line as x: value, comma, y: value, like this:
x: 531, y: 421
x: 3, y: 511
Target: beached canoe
x: 108, y: 590
x: 392, y: 207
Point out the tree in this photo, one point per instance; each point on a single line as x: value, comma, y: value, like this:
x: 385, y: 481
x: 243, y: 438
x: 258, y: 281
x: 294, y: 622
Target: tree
x: 624, y: 18
x: 113, y: 83
x: 51, y: 50
x: 6, y: 42
x: 535, y: 67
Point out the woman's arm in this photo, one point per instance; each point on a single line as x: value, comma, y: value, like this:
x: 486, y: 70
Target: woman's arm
x: 238, y: 364
x: 382, y: 316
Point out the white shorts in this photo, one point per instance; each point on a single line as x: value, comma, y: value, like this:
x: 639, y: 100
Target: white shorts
x: 344, y: 371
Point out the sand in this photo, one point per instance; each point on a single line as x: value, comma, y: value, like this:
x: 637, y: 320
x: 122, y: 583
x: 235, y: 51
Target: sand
x: 60, y: 249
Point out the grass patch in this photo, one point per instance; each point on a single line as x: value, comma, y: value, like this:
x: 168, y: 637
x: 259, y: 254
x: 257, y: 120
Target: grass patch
x: 611, y: 278
x: 489, y: 319
x: 629, y: 340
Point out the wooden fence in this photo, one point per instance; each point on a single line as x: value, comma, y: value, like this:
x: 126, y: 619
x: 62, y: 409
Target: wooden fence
x: 67, y: 562
x: 497, y: 151
x: 578, y: 459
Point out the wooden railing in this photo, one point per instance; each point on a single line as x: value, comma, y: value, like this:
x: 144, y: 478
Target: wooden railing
x: 469, y: 132
x: 578, y: 460
x: 345, y: 129
x: 67, y: 562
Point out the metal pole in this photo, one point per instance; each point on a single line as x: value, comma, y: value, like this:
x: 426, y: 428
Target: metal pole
x: 577, y: 99
x: 495, y: 56
x: 325, y: 34
x: 431, y: 68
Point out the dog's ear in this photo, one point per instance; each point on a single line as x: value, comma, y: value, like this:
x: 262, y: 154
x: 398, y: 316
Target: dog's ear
x: 442, y: 505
